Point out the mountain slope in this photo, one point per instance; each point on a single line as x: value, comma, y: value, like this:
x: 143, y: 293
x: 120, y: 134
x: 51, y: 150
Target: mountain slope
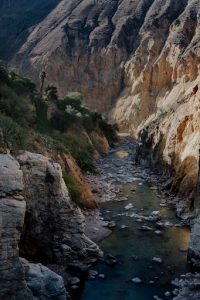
x: 138, y: 59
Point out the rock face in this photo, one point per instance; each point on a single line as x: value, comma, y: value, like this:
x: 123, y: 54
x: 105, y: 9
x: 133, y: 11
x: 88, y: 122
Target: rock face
x: 36, y: 210
x: 138, y: 59
x: 18, y: 278
x: 54, y: 227
x: 12, y: 211
x: 194, y: 246
x: 43, y: 283
x: 188, y: 287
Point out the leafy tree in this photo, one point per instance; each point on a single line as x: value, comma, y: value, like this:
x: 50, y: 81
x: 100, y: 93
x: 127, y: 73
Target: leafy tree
x: 42, y: 79
x: 51, y: 93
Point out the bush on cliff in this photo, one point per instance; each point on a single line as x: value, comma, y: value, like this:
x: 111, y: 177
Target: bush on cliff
x: 12, y: 136
x: 73, y: 189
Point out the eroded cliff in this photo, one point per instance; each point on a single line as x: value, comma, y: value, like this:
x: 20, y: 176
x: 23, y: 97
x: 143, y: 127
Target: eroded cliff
x: 18, y: 278
x: 39, y: 220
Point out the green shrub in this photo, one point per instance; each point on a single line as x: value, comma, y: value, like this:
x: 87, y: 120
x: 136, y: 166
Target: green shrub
x: 11, y: 134
x: 62, y: 121
x: 22, y: 86
x: 109, y: 132
x: 72, y: 99
x: 15, y: 106
x: 73, y: 189
x: 85, y: 161
x: 51, y: 93
x: 4, y: 77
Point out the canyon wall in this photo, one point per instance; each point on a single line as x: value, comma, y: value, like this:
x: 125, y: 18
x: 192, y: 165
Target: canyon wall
x: 138, y: 61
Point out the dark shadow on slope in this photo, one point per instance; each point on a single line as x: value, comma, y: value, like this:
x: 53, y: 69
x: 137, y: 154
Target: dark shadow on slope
x: 16, y: 19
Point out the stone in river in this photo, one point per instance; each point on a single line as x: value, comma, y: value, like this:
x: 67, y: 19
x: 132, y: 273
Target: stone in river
x: 183, y: 250
x: 160, y: 225
x: 129, y: 206
x: 123, y: 199
x: 93, y: 273
x: 145, y: 228
x: 138, y: 220
x: 163, y: 205
x: 158, y: 232
x: 111, y: 224
x: 124, y: 226
x: 167, y: 294
x: 74, y: 281
x: 74, y: 287
x: 110, y: 260
x: 157, y: 259
x: 156, y: 298
x: 102, y: 276
x: 168, y: 224
x: 155, y: 213
x: 136, y: 280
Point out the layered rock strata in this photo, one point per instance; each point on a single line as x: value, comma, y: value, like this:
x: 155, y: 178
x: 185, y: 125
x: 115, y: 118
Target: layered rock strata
x: 36, y: 212
x: 12, y: 212
x: 18, y: 278
x: 54, y: 226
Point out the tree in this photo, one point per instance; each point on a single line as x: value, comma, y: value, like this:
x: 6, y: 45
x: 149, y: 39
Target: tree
x: 42, y: 79
x: 51, y: 93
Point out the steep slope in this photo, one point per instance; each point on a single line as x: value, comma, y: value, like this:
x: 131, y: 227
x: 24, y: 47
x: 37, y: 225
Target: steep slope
x: 139, y: 59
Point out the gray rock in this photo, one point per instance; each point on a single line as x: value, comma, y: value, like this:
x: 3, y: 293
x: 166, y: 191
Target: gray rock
x: 187, y: 287
x: 58, y: 231
x: 146, y: 228
x: 93, y: 273
x: 74, y: 281
x: 136, y: 280
x: 157, y: 259
x: 158, y: 232
x: 43, y: 283
x: 12, y: 214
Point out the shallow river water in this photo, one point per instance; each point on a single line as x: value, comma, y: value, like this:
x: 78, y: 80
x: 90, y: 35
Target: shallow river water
x: 134, y: 248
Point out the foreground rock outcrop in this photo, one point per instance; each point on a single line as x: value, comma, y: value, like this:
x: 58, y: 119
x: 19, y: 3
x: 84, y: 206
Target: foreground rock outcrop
x: 18, y: 278
x: 12, y: 211
x: 36, y: 212
x: 54, y: 226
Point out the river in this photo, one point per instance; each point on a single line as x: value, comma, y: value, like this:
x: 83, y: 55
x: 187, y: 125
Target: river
x: 134, y: 248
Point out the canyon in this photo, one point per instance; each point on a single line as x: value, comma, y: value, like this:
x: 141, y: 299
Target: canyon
x: 135, y: 61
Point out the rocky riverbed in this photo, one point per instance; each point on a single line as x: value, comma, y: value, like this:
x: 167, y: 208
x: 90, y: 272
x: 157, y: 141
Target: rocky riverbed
x: 137, y: 224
